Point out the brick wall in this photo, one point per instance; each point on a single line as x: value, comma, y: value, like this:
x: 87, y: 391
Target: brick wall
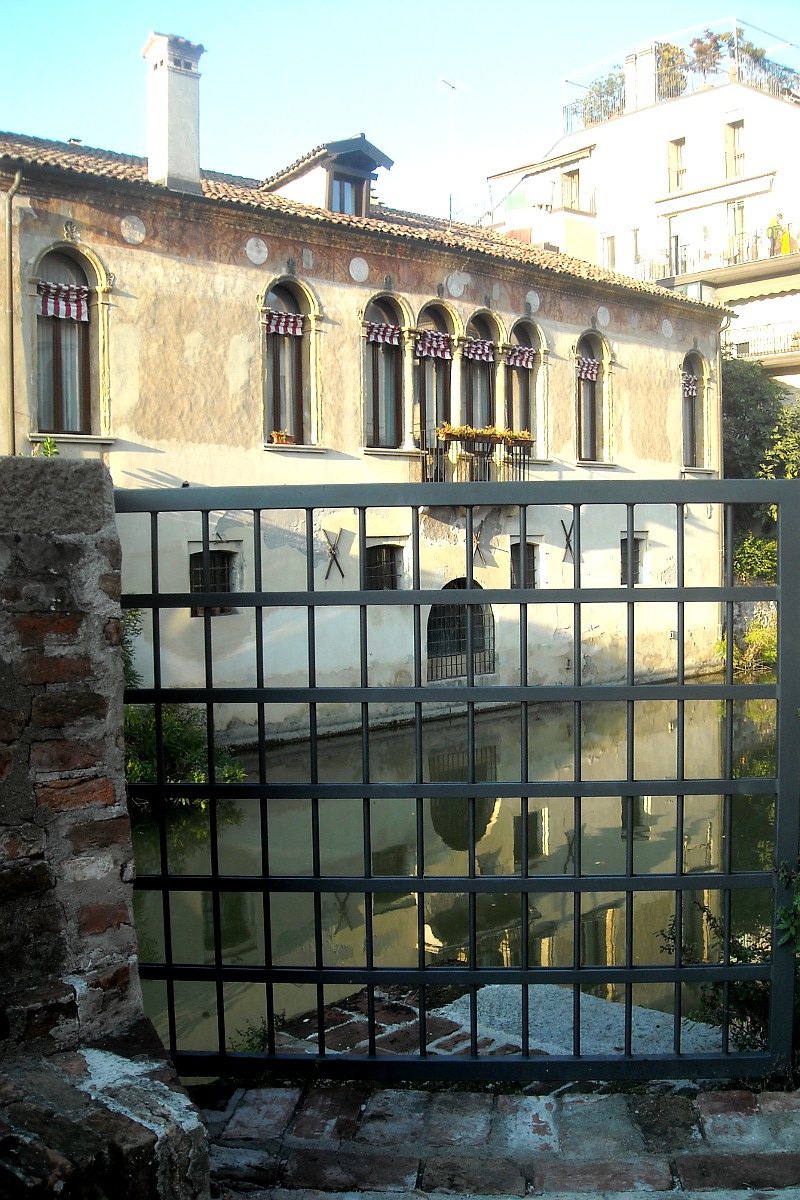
x: 67, y: 946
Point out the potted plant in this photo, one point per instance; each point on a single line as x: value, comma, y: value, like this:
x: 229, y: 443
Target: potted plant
x: 282, y: 437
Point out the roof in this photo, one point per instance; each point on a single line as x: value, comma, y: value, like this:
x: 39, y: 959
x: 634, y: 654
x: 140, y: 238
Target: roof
x: 93, y: 165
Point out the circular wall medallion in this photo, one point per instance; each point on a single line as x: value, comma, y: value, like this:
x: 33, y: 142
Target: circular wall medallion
x: 359, y: 270
x: 132, y: 229
x: 532, y: 299
x: 457, y: 282
x: 603, y: 317
x: 666, y: 328
x: 256, y: 250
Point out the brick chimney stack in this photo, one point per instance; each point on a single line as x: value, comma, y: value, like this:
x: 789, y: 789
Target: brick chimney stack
x: 173, y: 112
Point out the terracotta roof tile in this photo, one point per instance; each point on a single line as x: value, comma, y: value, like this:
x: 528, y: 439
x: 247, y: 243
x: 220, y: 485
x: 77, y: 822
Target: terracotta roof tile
x: 92, y: 163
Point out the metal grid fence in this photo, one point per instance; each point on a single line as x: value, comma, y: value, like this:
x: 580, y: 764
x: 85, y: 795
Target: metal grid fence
x: 518, y: 925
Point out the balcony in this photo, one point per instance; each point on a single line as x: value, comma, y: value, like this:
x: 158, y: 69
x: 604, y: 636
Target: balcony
x: 464, y: 455
x: 774, y: 345
x: 734, y: 250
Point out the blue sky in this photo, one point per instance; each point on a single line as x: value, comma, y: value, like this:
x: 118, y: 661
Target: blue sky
x: 282, y: 76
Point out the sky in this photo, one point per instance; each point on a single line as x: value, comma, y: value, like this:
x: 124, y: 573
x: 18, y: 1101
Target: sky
x: 280, y: 77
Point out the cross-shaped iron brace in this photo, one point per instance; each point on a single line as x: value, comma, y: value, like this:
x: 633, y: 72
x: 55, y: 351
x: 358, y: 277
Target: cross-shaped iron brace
x: 476, y: 544
x: 333, y: 552
x: 568, y: 542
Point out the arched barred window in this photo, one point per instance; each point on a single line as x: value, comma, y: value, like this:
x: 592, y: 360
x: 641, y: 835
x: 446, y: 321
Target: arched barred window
x: 383, y: 374
x: 693, y: 411
x: 449, y: 640
x: 63, y: 346
x: 286, y: 384
x: 590, y: 378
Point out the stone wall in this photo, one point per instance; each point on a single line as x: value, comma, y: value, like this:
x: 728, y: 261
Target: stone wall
x: 66, y: 864
x: 88, y: 1106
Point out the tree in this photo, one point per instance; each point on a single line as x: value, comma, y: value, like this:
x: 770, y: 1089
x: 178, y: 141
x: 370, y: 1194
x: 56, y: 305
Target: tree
x: 782, y: 458
x: 752, y: 405
x: 671, y: 68
x: 604, y: 98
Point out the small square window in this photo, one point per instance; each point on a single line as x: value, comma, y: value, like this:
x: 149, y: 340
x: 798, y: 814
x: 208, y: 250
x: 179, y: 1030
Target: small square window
x: 523, y: 565
x: 635, y: 565
x: 382, y: 568
x: 220, y: 578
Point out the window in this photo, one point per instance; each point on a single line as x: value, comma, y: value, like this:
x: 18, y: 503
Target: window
x: 348, y: 194
x: 590, y: 399
x: 734, y: 149
x: 451, y: 630
x: 521, y: 363
x: 632, y: 568
x: 523, y: 565
x: 433, y: 354
x: 383, y: 375
x: 693, y: 405
x: 570, y: 189
x: 675, y: 167
x: 219, y: 577
x: 286, y: 398
x: 382, y: 568
x: 62, y: 339
x: 610, y: 251
x: 736, y: 233
x: 478, y: 373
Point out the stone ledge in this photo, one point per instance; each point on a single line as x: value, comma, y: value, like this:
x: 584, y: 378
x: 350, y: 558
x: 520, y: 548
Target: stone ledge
x: 92, y: 1121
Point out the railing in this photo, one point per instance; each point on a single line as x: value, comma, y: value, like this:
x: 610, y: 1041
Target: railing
x: 673, y: 81
x: 761, y: 341
x: 686, y: 258
x: 558, y: 907
x: 459, y: 459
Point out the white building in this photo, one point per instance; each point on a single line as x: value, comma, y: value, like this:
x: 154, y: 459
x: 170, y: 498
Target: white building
x: 675, y: 164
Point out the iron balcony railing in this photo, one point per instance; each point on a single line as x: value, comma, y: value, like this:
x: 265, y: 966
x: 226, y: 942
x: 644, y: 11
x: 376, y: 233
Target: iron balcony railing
x: 762, y: 341
x: 688, y: 258
x: 459, y: 458
x: 287, y: 927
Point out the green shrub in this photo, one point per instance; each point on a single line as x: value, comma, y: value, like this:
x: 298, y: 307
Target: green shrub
x: 756, y: 558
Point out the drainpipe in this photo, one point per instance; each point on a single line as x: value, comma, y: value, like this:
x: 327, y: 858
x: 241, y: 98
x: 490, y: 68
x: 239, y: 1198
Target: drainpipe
x: 12, y: 437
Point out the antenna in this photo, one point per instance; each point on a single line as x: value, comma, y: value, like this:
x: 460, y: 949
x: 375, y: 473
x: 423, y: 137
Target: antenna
x: 450, y: 141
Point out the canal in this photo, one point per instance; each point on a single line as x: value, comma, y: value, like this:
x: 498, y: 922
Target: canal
x: 449, y: 836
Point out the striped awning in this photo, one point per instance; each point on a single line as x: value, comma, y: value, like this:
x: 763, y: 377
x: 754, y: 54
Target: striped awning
x: 481, y: 351
x: 388, y: 335
x: 689, y: 384
x: 431, y: 344
x: 68, y: 300
x: 283, y: 323
x: 520, y: 356
x: 588, y: 368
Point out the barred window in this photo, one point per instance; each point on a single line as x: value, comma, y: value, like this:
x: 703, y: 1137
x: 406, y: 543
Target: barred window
x: 382, y: 568
x: 218, y: 579
x: 452, y: 628
x: 523, y: 565
x: 636, y: 563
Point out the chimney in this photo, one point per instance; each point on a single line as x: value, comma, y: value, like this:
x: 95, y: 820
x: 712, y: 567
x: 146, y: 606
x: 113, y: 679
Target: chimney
x: 173, y: 112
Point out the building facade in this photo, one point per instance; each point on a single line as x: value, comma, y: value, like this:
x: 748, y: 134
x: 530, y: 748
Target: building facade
x: 192, y: 328
x: 676, y: 165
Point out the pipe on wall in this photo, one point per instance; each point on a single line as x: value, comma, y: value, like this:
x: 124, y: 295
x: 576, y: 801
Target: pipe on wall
x: 9, y: 355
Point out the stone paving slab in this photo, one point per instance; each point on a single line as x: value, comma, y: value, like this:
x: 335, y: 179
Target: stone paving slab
x: 363, y: 1142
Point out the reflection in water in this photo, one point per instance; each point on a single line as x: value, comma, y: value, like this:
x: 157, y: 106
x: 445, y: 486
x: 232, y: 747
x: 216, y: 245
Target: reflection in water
x: 486, y: 836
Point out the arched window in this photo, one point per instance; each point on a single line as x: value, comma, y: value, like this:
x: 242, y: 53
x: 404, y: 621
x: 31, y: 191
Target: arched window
x: 478, y: 373
x: 448, y: 637
x: 693, y: 407
x: 590, y: 387
x: 62, y: 339
x: 287, y: 406
x: 521, y: 367
x: 433, y: 352
x: 383, y: 374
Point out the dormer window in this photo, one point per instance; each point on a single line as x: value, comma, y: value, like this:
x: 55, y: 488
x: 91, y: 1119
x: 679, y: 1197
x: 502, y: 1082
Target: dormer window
x: 348, y: 194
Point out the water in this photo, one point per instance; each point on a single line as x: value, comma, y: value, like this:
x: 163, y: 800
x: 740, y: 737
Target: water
x: 407, y: 838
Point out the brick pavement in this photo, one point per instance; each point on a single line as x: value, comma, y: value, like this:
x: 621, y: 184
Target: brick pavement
x: 286, y: 1143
